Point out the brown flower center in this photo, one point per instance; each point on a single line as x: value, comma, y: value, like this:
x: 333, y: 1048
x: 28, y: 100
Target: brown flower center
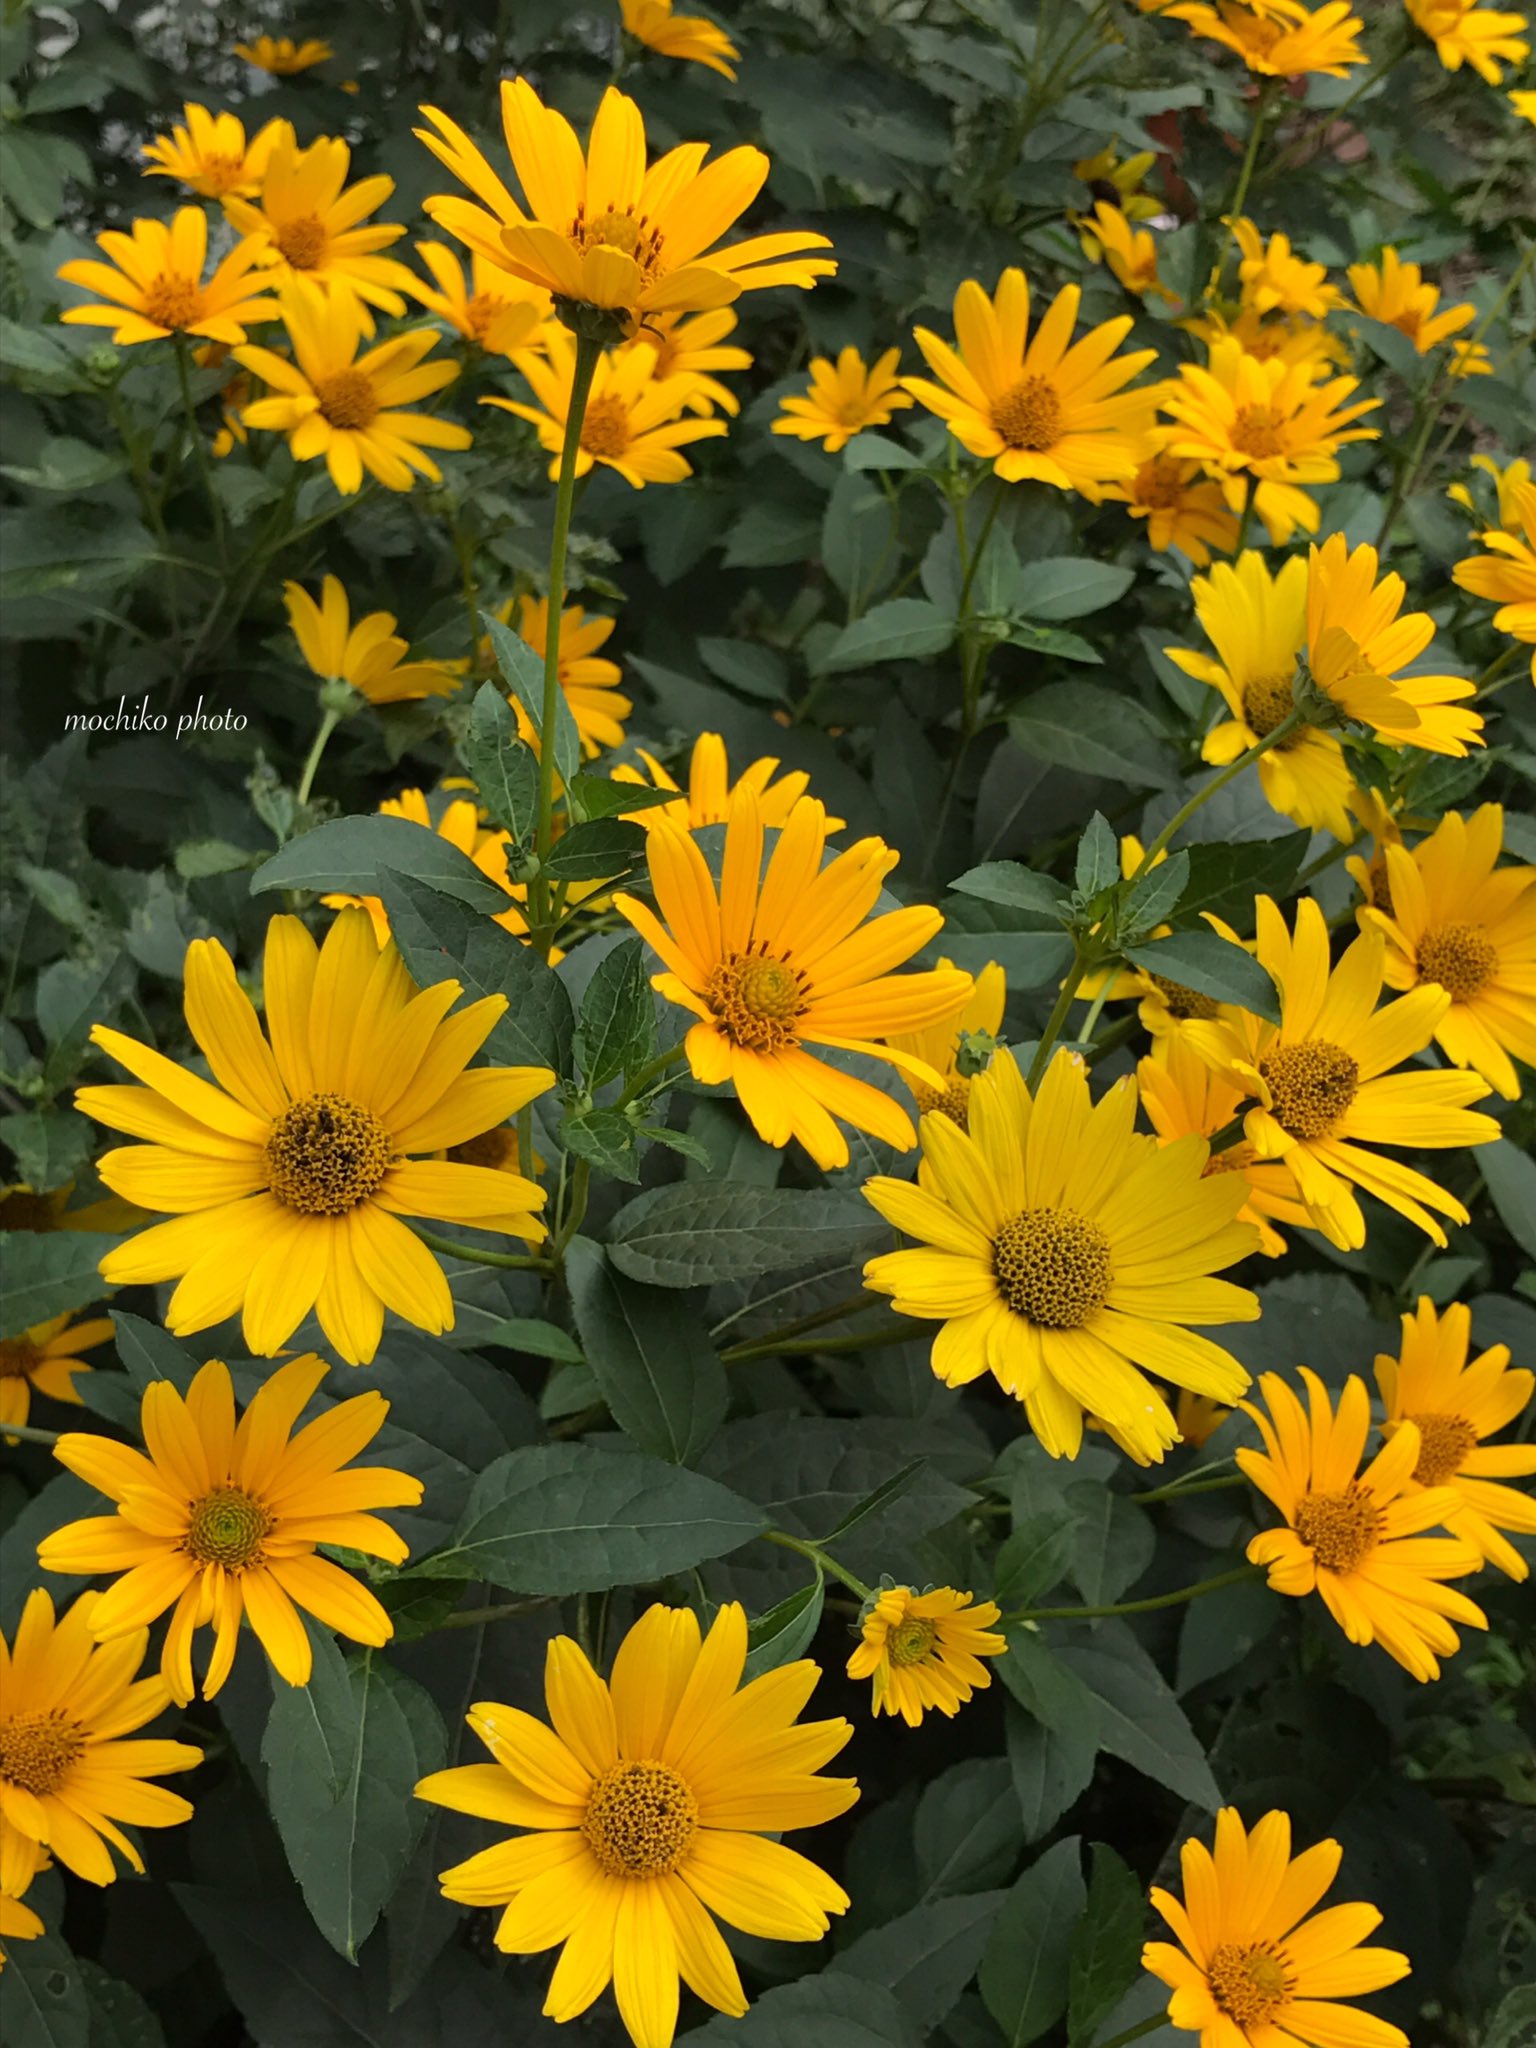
x: 36, y: 1750
x: 1053, y: 1267
x: 605, y: 430
x: 617, y: 228
x: 910, y: 1641
x: 1381, y: 885
x: 1160, y: 484
x: 1461, y: 957
x: 496, y: 1149
x: 953, y: 1100
x: 172, y: 301
x: 640, y: 1820
x: 1231, y: 1159
x: 18, y: 1357
x: 1258, y: 431
x: 481, y: 314
x: 1249, y: 1981
x: 303, y: 242
x: 1028, y: 414
x: 1310, y: 1086
x: 22, y: 1209
x: 1267, y: 702
x: 756, y: 1001
x: 221, y: 174
x: 228, y: 1527
x: 1340, y: 1529
x: 1183, y: 1002
x: 348, y: 400
x: 1444, y: 1441
x: 325, y: 1155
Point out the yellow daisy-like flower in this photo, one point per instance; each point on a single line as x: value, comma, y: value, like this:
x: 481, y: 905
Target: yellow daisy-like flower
x: 1274, y: 421
x: 45, y: 1359
x: 21, y: 1859
x: 1183, y: 507
x: 1454, y: 1406
x: 688, y: 37
x: 1119, y: 181
x: 710, y: 792
x: 1356, y: 1538
x: 1464, y: 32
x: 282, y: 56
x: 1255, y: 1964
x: 1524, y: 104
x: 288, y: 1174
x: 588, y: 679
x: 690, y: 346
x: 1256, y: 620
x: 1460, y: 922
x: 349, y: 408
x: 1281, y: 40
x: 938, y: 1044
x: 1378, y: 818
x: 1506, y: 483
x: 1356, y: 643
x: 1062, y: 1252
x: 924, y: 1650
x: 67, y: 1777
x: 1184, y: 1099
x: 843, y: 398
x: 460, y: 825
x: 1198, y: 1417
x: 1275, y: 280
x: 649, y: 1805
x: 1041, y: 407
x: 491, y: 309
x: 633, y: 422
x: 306, y: 224
x: 1506, y: 574
x: 223, y: 1518
x: 158, y: 288
x: 210, y: 154
x: 1396, y: 293
x: 773, y: 963
x: 370, y: 656
x: 1130, y: 252
x: 602, y: 229
x: 1290, y: 336
x: 1323, y: 1082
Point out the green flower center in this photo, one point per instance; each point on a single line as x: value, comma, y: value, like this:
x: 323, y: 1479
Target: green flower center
x: 910, y: 1641
x: 228, y: 1527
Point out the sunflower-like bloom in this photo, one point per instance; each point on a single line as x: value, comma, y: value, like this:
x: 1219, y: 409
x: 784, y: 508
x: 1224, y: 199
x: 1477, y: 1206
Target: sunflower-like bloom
x: 1506, y: 483
x: 1398, y: 294
x: 45, y: 1360
x: 843, y: 398
x: 938, y: 1045
x: 710, y: 792
x: 634, y: 420
x: 1460, y: 922
x: 1256, y: 621
x: 1183, y: 507
x: 588, y: 678
x: 349, y: 408
x: 288, y: 1174
x: 1062, y: 1252
x: 1356, y: 1537
x: 1524, y: 104
x: 773, y: 966
x: 1120, y: 181
x: 66, y: 1775
x: 158, y: 287
x: 370, y: 656
x: 1041, y: 407
x: 1290, y: 336
x: 1506, y: 574
x: 1273, y: 279
x: 1198, y: 1417
x: 1282, y: 39
x: 223, y: 1519
x: 1380, y: 820
x: 650, y: 1803
x: 1184, y: 1099
x: 1254, y: 1963
x: 1454, y: 1406
x: 1323, y: 1083
x: 282, y: 56
x: 1465, y: 32
x: 1356, y: 643
x: 460, y: 825
x: 491, y: 309
x: 211, y: 155
x: 688, y: 37
x: 693, y: 346
x: 1130, y: 252
x: 602, y: 230
x: 924, y: 1650
x: 21, y: 1859
x: 306, y: 224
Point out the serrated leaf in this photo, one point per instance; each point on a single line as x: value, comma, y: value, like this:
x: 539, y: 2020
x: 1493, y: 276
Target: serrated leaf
x: 605, y: 1138
x: 603, y: 850
x: 1025, y: 1972
x: 927, y: 1956
x: 1097, y: 732
x: 650, y: 1354
x: 44, y: 1273
x: 353, y: 855
x: 595, y: 796
x: 1098, y: 858
x: 901, y: 629
x: 1224, y: 878
x: 1015, y: 887
x: 1068, y: 587
x: 523, y: 673
x: 786, y: 1631
x: 504, y: 769
x: 965, y: 1833
x: 1213, y: 966
x: 44, y: 1997
x: 1139, y: 1718
x: 1155, y: 896
x: 1106, y: 1950
x: 697, y: 1232
x: 877, y: 1501
x: 150, y: 1353
x: 1033, y: 1559
x: 1112, y: 1542
x: 617, y: 1031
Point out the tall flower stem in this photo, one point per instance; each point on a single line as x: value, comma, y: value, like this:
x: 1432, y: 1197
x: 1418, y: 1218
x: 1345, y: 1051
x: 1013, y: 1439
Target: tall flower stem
x: 13, y: 1432
x: 820, y: 1558
x: 1239, y: 197
x: 329, y: 721
x: 1082, y: 960
x: 199, y: 449
x: 1159, y: 1600
x: 1181, y: 817
x: 1149, y: 2025
x: 517, y: 1262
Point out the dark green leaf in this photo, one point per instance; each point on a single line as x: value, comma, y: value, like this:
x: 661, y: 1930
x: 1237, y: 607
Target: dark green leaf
x: 150, y: 1353
x: 786, y: 1631
x: 1016, y: 888
x: 617, y: 1032
x: 119, y: 2016
x: 1112, y: 1542
x: 1213, y: 966
x: 876, y: 451
x: 1392, y: 346
x: 877, y: 1501
x: 1096, y: 732
x: 505, y: 770
x: 539, y: 1339
x: 43, y: 1273
x: 1139, y: 1718
x: 698, y: 1232
x: 1033, y: 1559
x: 605, y: 1138
x: 523, y: 673
x: 44, y: 1998
x: 1155, y: 895
x: 1225, y: 878
x: 966, y: 1830
x: 606, y: 849
x: 1098, y: 858
x: 748, y: 666
x: 1038, y: 639
x: 352, y: 855
x: 650, y: 1354
x: 49, y: 1145
x: 1068, y: 587
x: 1025, y: 1972
x: 926, y: 1958
x: 595, y: 796
x: 827, y: 2011
x: 1511, y: 1177
x: 855, y: 534
x: 902, y: 629
x: 1106, y: 1951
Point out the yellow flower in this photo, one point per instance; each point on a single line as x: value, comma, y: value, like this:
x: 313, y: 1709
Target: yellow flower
x: 633, y: 420
x: 282, y: 56
x: 587, y: 678
x: 1506, y: 574
x: 924, y: 1650
x: 1323, y: 1084
x: 460, y: 825
x: 210, y: 154
x: 1107, y: 177
x: 46, y: 1359
x: 1183, y: 507
x: 1460, y: 922
x: 351, y: 408
x: 1183, y: 1098
x: 158, y: 286
x: 602, y: 229
x: 21, y: 1859
x: 773, y: 966
x: 1290, y: 336
x: 288, y: 1174
x: 1198, y: 1417
x: 1281, y: 39
x: 27, y: 1208
x: 1506, y: 482
x: 937, y: 1045
x: 1062, y: 1252
x: 66, y: 1775
x: 222, y: 1520
x: 1356, y: 643
x: 305, y: 224
x: 1256, y: 620
x: 1039, y: 408
x: 689, y: 346
x: 1377, y: 817
x: 843, y: 398
x: 1131, y: 253
x: 1464, y: 32
x: 688, y: 37
x: 370, y: 655
x: 1524, y: 104
x: 1270, y: 420
x: 1273, y: 280
x: 710, y: 793
x: 650, y: 1805
x: 1254, y: 1963
x: 1396, y: 293
x: 1470, y: 359
x: 1454, y: 1406
x: 493, y: 310
x: 1356, y: 1538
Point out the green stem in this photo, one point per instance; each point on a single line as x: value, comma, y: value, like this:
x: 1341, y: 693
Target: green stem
x: 651, y: 1071
x: 819, y: 1558
x: 1246, y: 521
x: 581, y: 1181
x: 507, y: 1610
x: 328, y: 724
x: 21, y: 1432
x: 1232, y: 1578
x: 520, y: 1262
x: 1082, y: 960
x: 199, y: 447
x: 1207, y: 790
x: 1179, y: 1489
x: 811, y: 1346
x: 1233, y: 210
x: 1146, y: 2026
x: 464, y: 553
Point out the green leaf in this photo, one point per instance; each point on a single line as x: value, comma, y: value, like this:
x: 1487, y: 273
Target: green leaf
x: 119, y: 2016
x: 342, y: 1755
x: 1106, y: 1950
x: 877, y: 451
x: 1016, y: 888
x: 351, y: 855
x: 1097, y: 732
x: 1392, y: 346
x: 697, y: 1232
x: 35, y: 352
x: 539, y: 1339
x: 72, y: 996
x: 1139, y: 1718
x: 650, y: 1354
x: 902, y: 629
x: 594, y: 796
x: 1068, y: 587
x: 617, y: 1032
x: 50, y: 1146
x: 1511, y: 1177
x: 786, y: 1631
x: 1051, y: 1768
x: 877, y: 1501
x: 1038, y: 639
x: 44, y: 1997
x: 565, y: 1518
x: 1213, y: 966
x: 150, y: 1353
x: 43, y: 1273
x: 1155, y: 896
x: 925, y: 1958
x: 605, y: 1138
x: 1221, y: 1628
x: 1225, y: 877
x: 832, y: 2010
x: 1098, y: 858
x: 1025, y: 1973
x: 965, y: 1834
x: 1112, y: 1542
x: 504, y: 769
x: 855, y: 534
x: 748, y: 666
x: 523, y: 673
x: 1033, y: 1559
x: 604, y: 850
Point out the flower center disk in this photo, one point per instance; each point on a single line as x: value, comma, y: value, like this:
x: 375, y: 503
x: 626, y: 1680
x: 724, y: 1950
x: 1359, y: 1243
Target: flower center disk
x: 1340, y: 1529
x: 1250, y: 1983
x: 1267, y: 702
x: 640, y: 1820
x: 325, y: 1155
x: 1183, y: 1002
x: 910, y: 1641
x: 227, y: 1527
x: 605, y: 430
x: 616, y: 228
x: 303, y: 241
x: 348, y: 400
x: 756, y: 1001
x: 953, y: 1100
x: 1310, y: 1086
x: 17, y: 1358
x: 1258, y: 431
x: 172, y: 301
x: 1444, y: 1441
x: 36, y: 1750
x: 1053, y: 1267
x: 1460, y: 957
x: 1028, y: 414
